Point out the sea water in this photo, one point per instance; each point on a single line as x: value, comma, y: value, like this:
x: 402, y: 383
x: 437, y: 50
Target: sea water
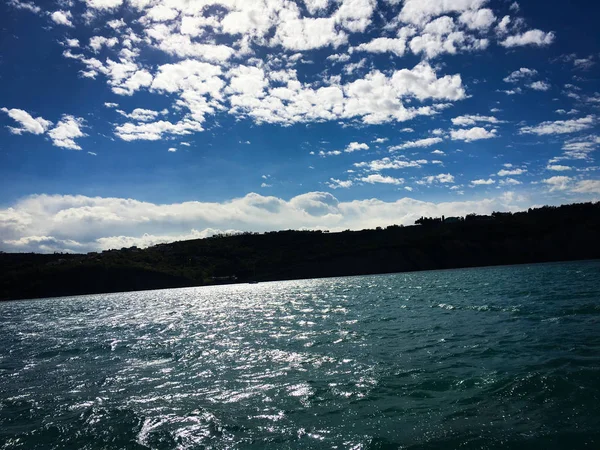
x: 503, y: 357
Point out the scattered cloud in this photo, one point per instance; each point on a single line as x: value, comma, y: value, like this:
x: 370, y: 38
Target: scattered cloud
x: 558, y: 167
x: 356, y: 146
x: 66, y: 131
x: 557, y: 183
x: 378, y: 178
x: 587, y: 187
x: 560, y: 126
x: 505, y: 172
x: 337, y: 184
x: 27, y: 123
x: 482, y: 182
x: 472, y: 134
x: 468, y: 120
x: 532, y: 37
x: 518, y: 75
x: 540, y: 86
x: 420, y: 143
x: 62, y: 18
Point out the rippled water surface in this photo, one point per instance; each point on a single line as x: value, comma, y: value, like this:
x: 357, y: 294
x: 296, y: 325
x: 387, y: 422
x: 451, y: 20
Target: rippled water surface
x: 504, y: 357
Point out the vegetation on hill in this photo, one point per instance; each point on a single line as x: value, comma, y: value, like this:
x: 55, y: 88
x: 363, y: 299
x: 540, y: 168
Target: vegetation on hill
x: 568, y: 232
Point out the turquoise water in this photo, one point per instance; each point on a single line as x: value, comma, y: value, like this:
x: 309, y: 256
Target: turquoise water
x: 505, y: 357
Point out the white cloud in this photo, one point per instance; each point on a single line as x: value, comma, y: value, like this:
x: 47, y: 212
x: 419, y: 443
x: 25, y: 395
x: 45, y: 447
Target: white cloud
x: 583, y: 63
x: 116, y: 24
x: 438, y: 152
x: 434, y: 44
x: 587, y: 187
x: 419, y: 12
x: 472, y: 134
x: 444, y: 178
x: 336, y: 184
x: 540, y: 86
x: 356, y: 146
x: 561, y: 126
x: 54, y: 222
x: 504, y: 172
x: 388, y: 163
x: 97, y: 42
x: 467, y: 120
x: 27, y: 123
x: 558, y: 183
x: 481, y: 19
x: 74, y: 43
x: 482, y: 182
x: 420, y: 143
x: 66, y: 131
x: 517, y: 75
x: 509, y: 182
x: 103, y: 4
x: 62, y: 18
x: 172, y: 150
x: 141, y: 114
x: 29, y: 6
x: 396, y: 46
x: 378, y: 178
x: 502, y: 27
x: 558, y: 167
x: 324, y: 154
x: 154, y: 131
x: 380, y: 140
x: 532, y: 37
x: 111, y: 105
x: 338, y: 57
x: 309, y: 33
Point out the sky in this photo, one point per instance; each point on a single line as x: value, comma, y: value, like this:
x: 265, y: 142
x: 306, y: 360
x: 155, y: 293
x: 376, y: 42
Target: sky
x: 137, y: 122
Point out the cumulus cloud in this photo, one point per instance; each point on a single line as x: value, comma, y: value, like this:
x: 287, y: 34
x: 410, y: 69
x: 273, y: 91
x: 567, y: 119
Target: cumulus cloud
x: 396, y: 46
x: 389, y: 163
x: 334, y: 183
x: 472, y: 134
x: 560, y: 126
x: 141, y: 114
x: 483, y: 182
x: 557, y: 183
x: 509, y: 182
x: 443, y: 178
x: 62, y: 18
x: 78, y: 223
x: 22, y: 4
x: 420, y: 143
x: 532, y: 37
x: 66, y: 131
x: 558, y: 167
x: 27, y: 123
x: 356, y: 146
x: 419, y: 12
x: 378, y: 178
x: 587, y: 187
x: 504, y: 172
x: 540, y: 86
x: 468, y: 120
x: 517, y: 75
x: 154, y: 131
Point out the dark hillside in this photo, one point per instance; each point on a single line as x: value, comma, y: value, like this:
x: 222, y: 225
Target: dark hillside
x: 545, y: 234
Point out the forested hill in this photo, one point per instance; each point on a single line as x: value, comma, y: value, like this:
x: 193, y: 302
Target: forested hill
x: 562, y: 233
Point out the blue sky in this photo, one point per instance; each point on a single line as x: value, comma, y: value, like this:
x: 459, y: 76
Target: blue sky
x: 133, y: 122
